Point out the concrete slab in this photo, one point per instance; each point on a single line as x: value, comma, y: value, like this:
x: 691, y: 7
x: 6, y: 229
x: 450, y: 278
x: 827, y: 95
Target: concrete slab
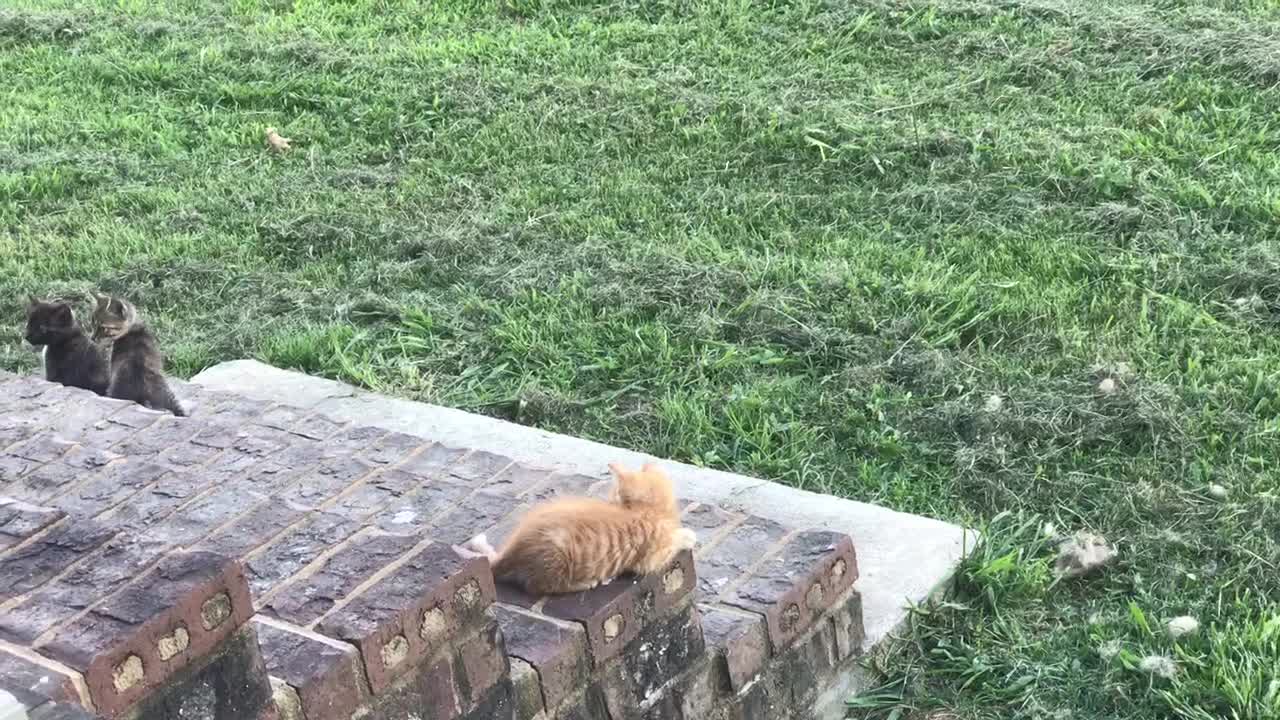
x: 903, y: 559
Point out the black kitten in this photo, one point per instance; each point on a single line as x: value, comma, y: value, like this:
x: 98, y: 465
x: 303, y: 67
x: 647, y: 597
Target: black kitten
x: 137, y: 368
x: 70, y: 358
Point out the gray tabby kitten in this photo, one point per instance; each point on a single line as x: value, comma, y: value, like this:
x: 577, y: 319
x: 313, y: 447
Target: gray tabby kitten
x: 137, y: 367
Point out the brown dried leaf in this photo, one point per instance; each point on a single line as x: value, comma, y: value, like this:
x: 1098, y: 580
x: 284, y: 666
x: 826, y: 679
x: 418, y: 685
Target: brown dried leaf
x: 276, y: 142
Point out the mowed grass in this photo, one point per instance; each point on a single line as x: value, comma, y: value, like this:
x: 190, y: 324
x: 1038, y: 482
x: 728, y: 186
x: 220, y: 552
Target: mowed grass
x: 808, y: 241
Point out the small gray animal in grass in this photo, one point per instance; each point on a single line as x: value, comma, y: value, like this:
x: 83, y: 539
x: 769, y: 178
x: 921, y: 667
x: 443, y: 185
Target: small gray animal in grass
x: 70, y: 357
x: 137, y: 367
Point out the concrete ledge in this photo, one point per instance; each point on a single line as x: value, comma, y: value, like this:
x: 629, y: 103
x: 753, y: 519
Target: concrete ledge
x: 903, y: 558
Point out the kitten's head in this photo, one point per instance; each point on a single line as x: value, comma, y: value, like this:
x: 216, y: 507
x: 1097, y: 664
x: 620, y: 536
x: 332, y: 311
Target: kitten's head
x: 649, y: 488
x: 48, y: 322
x: 113, y: 317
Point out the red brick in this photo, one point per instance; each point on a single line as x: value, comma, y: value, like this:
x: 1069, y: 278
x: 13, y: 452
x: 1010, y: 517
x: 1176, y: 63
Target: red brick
x: 43, y: 483
x: 89, y: 458
x: 136, y: 417
x: 437, y: 586
x: 483, y: 660
x: 517, y: 479
x: 103, y: 572
x: 20, y: 520
x: 110, y: 486
x: 43, y: 447
x: 316, y: 427
x: 163, y: 434
x: 478, y: 466
x: 740, y: 639
x: 296, y: 549
x: 187, y: 454
x: 608, y: 613
x: 708, y: 520
x: 30, y: 566
x: 259, y: 441
x: 432, y: 461
x: 306, y: 599
x: 202, y: 594
x: 327, y: 675
x: 351, y: 441
x: 556, y: 649
x: 13, y: 468
x: 411, y: 514
x: 798, y: 583
x: 479, y: 512
x: 328, y: 479
x: 725, y: 561
x: 561, y: 485
x: 281, y: 417
x: 38, y: 675
x: 393, y: 447
x: 258, y: 526
x: 200, y: 517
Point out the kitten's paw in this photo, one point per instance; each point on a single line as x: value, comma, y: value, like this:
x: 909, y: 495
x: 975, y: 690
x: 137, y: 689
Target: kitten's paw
x: 686, y: 539
x: 606, y: 581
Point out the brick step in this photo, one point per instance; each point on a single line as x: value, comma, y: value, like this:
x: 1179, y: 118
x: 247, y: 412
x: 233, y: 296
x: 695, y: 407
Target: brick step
x: 336, y: 541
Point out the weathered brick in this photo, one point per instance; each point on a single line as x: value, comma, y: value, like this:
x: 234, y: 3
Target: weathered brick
x: 187, y: 454
x: 392, y: 447
x: 135, y: 640
x: 13, y: 468
x: 556, y: 649
x: 413, y: 513
x: 60, y: 711
x: 608, y: 613
x: 310, y: 597
x: 561, y: 485
x: 479, y: 512
x: 517, y: 479
x: 112, y: 485
x: 216, y: 437
x: 708, y: 520
x: 36, y: 674
x: 281, y: 417
x: 482, y: 661
x: 526, y: 695
x: 45, y: 482
x: 326, y: 675
x: 433, y: 461
x: 846, y: 617
x: 43, y: 447
x: 229, y: 684
x: 351, y: 441
x: 20, y: 520
x: 101, y: 573
x: 798, y: 583
x: 328, y: 479
x: 412, y: 612
x: 495, y: 705
x: 739, y: 638
x: 373, y: 494
x: 720, y: 564
x: 478, y: 466
x: 14, y: 430
x: 136, y: 417
x: 295, y: 549
x: 255, y: 528
x: 259, y: 441
x: 316, y: 427
x: 84, y: 457
x: 162, y: 434
x: 662, y: 651
x: 201, y: 517
x: 236, y: 410
x: 102, y: 434
x: 246, y: 471
x: 30, y: 566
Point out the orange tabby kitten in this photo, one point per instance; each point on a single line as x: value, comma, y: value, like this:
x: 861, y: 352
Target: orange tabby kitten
x: 575, y: 544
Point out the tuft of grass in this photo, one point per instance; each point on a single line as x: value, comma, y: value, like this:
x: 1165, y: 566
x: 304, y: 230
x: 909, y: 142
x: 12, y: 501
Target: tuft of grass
x: 806, y: 240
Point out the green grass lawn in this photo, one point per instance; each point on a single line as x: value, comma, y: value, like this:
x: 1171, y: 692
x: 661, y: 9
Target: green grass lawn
x: 808, y: 241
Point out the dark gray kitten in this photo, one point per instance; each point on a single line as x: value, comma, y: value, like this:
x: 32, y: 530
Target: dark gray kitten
x: 70, y: 357
x: 137, y: 367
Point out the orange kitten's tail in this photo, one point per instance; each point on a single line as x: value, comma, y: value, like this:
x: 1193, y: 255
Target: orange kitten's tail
x: 480, y: 545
